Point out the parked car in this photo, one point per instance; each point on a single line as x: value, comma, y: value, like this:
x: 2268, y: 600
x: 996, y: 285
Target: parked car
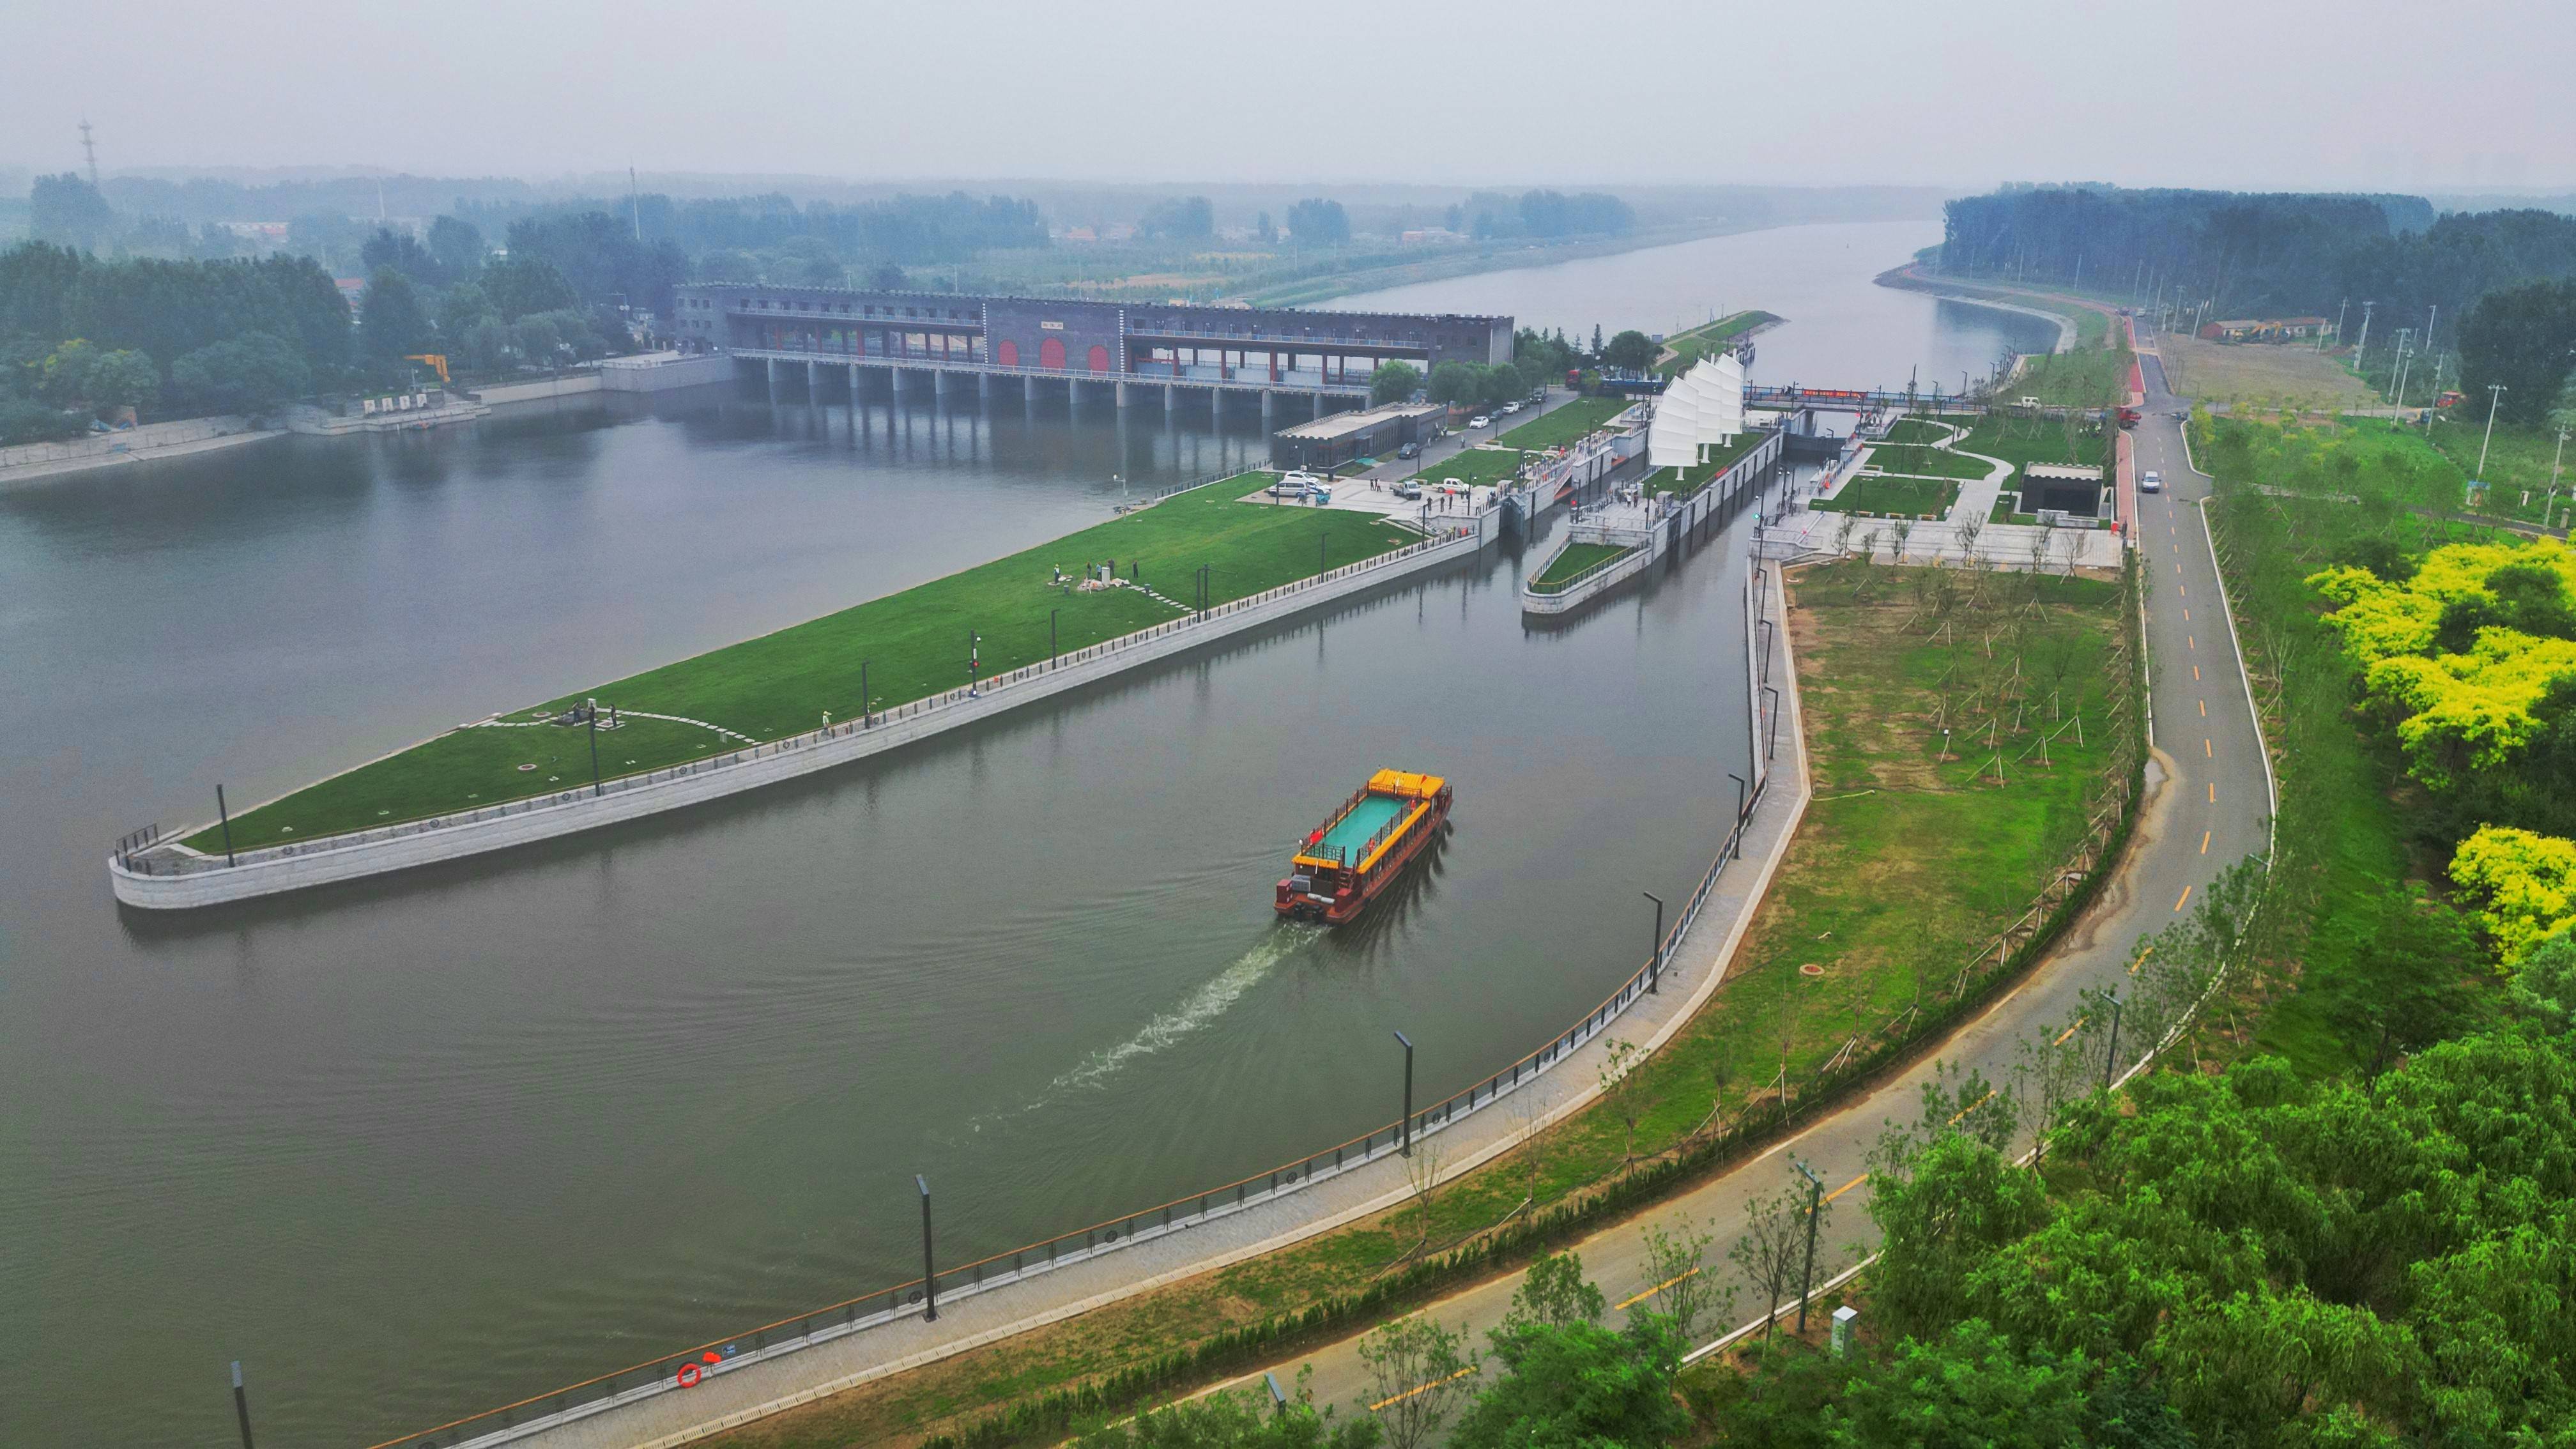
x: 1538, y: 396
x: 1409, y: 450
x: 2151, y: 482
x: 1408, y: 489
x: 1511, y: 407
x: 1479, y: 421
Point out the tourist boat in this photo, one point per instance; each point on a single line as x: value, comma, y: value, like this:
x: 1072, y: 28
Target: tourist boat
x: 1355, y: 855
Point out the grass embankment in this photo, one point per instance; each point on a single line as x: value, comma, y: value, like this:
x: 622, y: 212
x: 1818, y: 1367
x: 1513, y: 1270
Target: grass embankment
x: 1920, y: 461
x: 2350, y: 823
x: 1683, y: 349
x: 914, y: 644
x: 1683, y: 482
x: 2518, y: 464
x: 1908, y: 863
x: 1566, y: 424
x: 2092, y: 375
x: 1910, y: 497
x: 1473, y: 467
x: 1577, y: 559
x: 2262, y: 375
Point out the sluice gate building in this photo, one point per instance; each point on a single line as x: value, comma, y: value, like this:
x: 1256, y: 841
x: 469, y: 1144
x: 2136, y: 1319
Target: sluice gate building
x: 830, y: 337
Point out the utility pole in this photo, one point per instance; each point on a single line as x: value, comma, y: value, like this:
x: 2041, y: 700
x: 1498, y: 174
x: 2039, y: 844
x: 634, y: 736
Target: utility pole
x: 2403, y: 334
x: 1815, y: 1210
x: 2358, y: 352
x: 2340, y: 308
x: 2495, y: 395
x: 2551, y: 503
x: 89, y: 148
x: 2430, y: 314
x: 634, y: 207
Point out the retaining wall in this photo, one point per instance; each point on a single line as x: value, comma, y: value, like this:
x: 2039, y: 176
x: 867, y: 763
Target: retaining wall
x: 166, y: 876
x: 172, y: 439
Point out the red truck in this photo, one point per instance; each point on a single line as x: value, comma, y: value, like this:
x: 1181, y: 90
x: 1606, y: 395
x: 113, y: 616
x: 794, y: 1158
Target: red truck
x: 2129, y: 417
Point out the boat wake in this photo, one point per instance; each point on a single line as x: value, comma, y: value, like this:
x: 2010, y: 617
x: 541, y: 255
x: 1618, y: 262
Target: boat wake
x: 1201, y: 1007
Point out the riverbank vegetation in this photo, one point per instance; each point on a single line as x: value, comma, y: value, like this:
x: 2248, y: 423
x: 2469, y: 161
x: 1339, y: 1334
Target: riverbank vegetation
x: 2088, y: 375
x: 2337, y: 1214
x: 1566, y: 424
x: 906, y: 646
x: 1683, y: 349
x: 1913, y: 857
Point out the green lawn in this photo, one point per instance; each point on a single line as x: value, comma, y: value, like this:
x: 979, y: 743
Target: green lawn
x: 1919, y: 432
x: 1567, y: 423
x: 1883, y: 496
x: 1922, y: 461
x: 2517, y: 465
x: 1707, y: 338
x: 1576, y: 560
x: 1472, y: 467
x: 2091, y: 376
x: 914, y: 644
x: 2019, y: 440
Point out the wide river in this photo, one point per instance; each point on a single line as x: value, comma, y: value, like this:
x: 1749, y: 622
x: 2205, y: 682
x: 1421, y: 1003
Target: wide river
x: 415, y: 1147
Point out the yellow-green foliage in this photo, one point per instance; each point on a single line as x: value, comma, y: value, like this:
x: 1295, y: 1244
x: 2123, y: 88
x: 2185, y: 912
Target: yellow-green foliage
x: 2472, y: 708
x: 2524, y: 884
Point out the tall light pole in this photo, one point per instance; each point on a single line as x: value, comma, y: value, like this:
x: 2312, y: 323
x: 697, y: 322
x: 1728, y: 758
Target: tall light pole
x: 2495, y: 395
x: 1404, y: 1130
x: 1655, y: 963
x: 929, y: 1279
x: 241, y: 1404
x: 1815, y: 1210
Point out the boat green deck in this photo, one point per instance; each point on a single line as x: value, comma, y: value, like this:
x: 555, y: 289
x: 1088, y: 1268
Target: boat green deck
x: 1366, y: 819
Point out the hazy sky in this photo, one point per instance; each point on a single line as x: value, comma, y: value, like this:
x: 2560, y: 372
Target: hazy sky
x: 2254, y: 93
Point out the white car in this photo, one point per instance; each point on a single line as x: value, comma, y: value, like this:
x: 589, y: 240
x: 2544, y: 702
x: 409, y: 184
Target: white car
x: 1480, y: 421
x: 1511, y: 407
x: 2151, y: 482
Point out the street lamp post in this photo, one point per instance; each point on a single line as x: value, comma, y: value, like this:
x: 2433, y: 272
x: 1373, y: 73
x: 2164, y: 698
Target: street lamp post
x: 1655, y: 963
x: 929, y: 1278
x: 865, y: 720
x: 2111, y: 1057
x: 1051, y: 613
x: 226, y: 816
x: 241, y: 1404
x: 594, y: 748
x: 974, y: 662
x: 2495, y: 395
x: 1815, y: 1210
x: 1739, y: 812
x: 1404, y: 1129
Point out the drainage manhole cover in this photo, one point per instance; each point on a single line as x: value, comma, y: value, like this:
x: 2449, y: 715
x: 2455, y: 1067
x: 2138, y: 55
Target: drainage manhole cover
x: 1811, y: 969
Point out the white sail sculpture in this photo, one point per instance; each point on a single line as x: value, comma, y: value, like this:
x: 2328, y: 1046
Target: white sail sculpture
x: 1701, y: 407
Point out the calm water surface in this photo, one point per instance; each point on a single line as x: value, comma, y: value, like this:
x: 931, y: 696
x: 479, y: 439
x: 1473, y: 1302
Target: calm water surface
x: 418, y: 1146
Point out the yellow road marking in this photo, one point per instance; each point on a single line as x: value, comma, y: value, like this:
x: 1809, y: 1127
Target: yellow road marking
x: 2142, y: 959
x: 2186, y: 895
x: 2195, y: 671
x: 2213, y: 792
x: 1846, y: 1187
x: 1651, y: 1292
x: 2204, y: 842
x: 2070, y: 1031
x: 2189, y: 642
x: 1972, y: 1106
x: 2204, y: 709
x: 1421, y: 1388
x: 2182, y: 591
x: 2206, y: 752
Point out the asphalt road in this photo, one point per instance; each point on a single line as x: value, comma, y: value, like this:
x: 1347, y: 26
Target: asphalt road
x: 2209, y: 804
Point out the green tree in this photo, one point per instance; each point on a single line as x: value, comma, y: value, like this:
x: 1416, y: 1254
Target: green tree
x: 391, y: 324
x: 457, y: 245
x: 2407, y: 985
x: 1965, y: 1390
x: 1179, y: 218
x: 1960, y: 1202
x: 64, y: 374
x: 1455, y: 382
x: 68, y: 210
x: 1497, y: 384
x: 520, y: 285
x: 245, y: 374
x: 1417, y: 1375
x: 1393, y: 382
x: 1631, y: 351
x: 2520, y: 337
x: 404, y: 254
x: 123, y: 379
x: 1316, y: 222
x: 1578, y: 1386
x: 1554, y: 1291
x: 727, y: 264
x: 2544, y: 985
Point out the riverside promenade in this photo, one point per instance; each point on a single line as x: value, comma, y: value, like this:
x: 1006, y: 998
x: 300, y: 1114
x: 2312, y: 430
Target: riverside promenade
x: 787, y: 1371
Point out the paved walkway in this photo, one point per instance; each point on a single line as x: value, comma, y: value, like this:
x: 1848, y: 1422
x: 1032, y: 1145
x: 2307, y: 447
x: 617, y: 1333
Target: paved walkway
x: 756, y: 1384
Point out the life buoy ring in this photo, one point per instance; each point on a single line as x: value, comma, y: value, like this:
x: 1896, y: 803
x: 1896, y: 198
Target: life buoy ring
x: 689, y: 1375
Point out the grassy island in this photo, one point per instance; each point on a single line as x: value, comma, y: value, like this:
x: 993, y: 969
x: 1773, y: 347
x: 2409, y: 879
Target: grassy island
x: 1576, y: 560
x: 914, y: 644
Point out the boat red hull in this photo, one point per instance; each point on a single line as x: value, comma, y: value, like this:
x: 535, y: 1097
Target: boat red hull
x: 1364, y: 887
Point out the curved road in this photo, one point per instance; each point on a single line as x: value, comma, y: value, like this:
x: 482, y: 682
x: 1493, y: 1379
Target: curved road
x: 2209, y: 805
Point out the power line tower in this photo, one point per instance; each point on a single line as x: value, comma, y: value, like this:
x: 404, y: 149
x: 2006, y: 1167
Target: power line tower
x: 89, y: 148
